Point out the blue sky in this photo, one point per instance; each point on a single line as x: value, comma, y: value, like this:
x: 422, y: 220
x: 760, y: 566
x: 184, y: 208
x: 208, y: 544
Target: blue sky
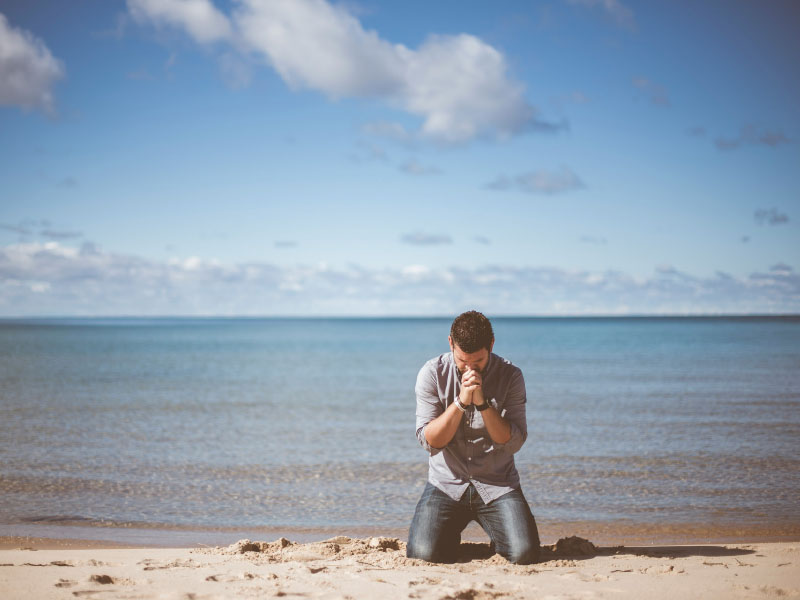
x: 382, y: 158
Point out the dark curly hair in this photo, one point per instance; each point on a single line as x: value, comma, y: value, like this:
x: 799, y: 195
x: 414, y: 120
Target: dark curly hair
x: 472, y: 331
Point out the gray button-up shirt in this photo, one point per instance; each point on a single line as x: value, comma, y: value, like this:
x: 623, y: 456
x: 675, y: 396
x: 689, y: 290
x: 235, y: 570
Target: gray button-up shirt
x: 472, y: 456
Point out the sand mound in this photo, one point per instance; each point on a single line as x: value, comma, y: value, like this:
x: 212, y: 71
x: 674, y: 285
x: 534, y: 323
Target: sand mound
x: 572, y: 546
x: 389, y: 551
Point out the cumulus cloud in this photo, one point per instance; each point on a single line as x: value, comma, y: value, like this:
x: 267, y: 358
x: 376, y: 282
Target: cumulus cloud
x: 412, y: 167
x: 618, y: 12
x: 28, y: 70
x: 426, y: 239
x: 657, y: 93
x: 751, y: 135
x: 770, y: 216
x: 200, y: 18
x: 52, y: 278
x: 458, y: 85
x: 538, y: 182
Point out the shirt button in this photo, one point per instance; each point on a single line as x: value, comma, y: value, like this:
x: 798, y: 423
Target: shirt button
x: 469, y: 458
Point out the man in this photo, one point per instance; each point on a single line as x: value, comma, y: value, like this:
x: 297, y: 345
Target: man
x: 471, y: 419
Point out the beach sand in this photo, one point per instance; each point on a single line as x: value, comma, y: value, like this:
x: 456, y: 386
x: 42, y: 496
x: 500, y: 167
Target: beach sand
x: 345, y: 567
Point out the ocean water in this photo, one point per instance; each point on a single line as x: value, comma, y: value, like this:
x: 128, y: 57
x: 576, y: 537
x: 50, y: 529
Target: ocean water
x: 639, y: 428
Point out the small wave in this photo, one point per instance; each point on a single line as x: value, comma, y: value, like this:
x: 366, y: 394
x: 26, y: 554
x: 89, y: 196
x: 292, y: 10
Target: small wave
x: 57, y: 519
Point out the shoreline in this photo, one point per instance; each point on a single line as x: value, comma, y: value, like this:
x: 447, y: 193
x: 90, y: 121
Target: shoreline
x: 192, y: 538
x: 343, y: 567
x: 53, y: 535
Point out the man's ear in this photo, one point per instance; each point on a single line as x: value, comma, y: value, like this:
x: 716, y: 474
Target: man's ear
x: 450, y: 342
x: 491, y: 346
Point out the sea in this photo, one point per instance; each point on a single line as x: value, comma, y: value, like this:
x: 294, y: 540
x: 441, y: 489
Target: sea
x: 184, y: 431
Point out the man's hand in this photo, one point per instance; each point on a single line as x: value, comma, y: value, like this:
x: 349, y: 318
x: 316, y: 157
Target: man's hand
x: 471, y: 388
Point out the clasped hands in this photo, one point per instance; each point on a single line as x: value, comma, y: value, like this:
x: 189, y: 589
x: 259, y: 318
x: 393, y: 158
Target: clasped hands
x: 471, y: 388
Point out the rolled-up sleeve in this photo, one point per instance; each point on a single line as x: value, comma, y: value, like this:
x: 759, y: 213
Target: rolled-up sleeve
x: 513, y: 411
x: 429, y: 406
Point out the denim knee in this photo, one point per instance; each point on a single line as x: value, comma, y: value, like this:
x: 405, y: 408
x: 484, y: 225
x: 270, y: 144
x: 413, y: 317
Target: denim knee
x: 523, y: 553
x: 421, y: 550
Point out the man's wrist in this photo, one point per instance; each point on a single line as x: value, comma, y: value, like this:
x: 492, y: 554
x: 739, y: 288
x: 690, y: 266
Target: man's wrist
x: 460, y: 406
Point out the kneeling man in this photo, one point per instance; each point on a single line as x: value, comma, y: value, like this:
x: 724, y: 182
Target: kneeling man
x: 471, y: 419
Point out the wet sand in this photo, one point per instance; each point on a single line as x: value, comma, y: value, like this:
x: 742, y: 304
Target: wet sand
x: 343, y: 567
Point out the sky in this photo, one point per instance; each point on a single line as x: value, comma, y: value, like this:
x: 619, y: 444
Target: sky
x: 308, y: 157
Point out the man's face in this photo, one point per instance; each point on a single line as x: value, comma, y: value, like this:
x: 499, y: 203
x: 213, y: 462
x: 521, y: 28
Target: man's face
x: 476, y: 361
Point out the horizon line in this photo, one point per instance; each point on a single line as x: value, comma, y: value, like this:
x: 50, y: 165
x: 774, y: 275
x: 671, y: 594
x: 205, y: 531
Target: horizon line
x: 410, y: 316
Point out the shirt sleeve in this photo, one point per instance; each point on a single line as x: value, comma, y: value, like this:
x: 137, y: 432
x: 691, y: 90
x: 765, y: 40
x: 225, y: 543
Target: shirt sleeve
x: 513, y: 412
x: 428, y: 404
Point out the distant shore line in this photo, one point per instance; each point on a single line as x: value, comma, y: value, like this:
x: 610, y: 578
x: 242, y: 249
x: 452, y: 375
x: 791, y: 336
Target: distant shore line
x: 45, y: 319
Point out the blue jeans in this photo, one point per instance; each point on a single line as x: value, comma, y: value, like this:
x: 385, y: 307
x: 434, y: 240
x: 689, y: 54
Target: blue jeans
x: 435, y: 532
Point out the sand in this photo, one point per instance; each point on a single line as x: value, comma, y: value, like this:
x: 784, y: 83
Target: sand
x: 377, y: 568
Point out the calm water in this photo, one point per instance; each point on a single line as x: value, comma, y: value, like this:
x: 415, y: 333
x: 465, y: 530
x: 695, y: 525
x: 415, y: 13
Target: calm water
x: 651, y: 425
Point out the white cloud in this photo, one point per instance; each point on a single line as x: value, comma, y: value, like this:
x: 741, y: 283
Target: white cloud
x: 53, y: 279
x: 27, y: 70
x: 315, y: 45
x: 458, y: 85
x: 200, y: 18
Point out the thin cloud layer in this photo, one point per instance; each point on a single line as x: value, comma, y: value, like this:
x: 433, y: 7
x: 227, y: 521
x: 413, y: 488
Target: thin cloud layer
x: 618, y: 12
x: 771, y: 216
x: 458, y: 85
x: 28, y: 70
x: 538, y: 182
x: 426, y: 239
x: 657, y: 93
x: 413, y: 167
x: 53, y: 279
x: 752, y: 136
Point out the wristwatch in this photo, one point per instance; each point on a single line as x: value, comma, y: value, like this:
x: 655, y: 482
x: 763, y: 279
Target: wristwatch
x: 483, y: 406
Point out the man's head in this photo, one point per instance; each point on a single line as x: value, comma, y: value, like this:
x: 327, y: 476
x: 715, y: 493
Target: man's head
x: 471, y: 340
